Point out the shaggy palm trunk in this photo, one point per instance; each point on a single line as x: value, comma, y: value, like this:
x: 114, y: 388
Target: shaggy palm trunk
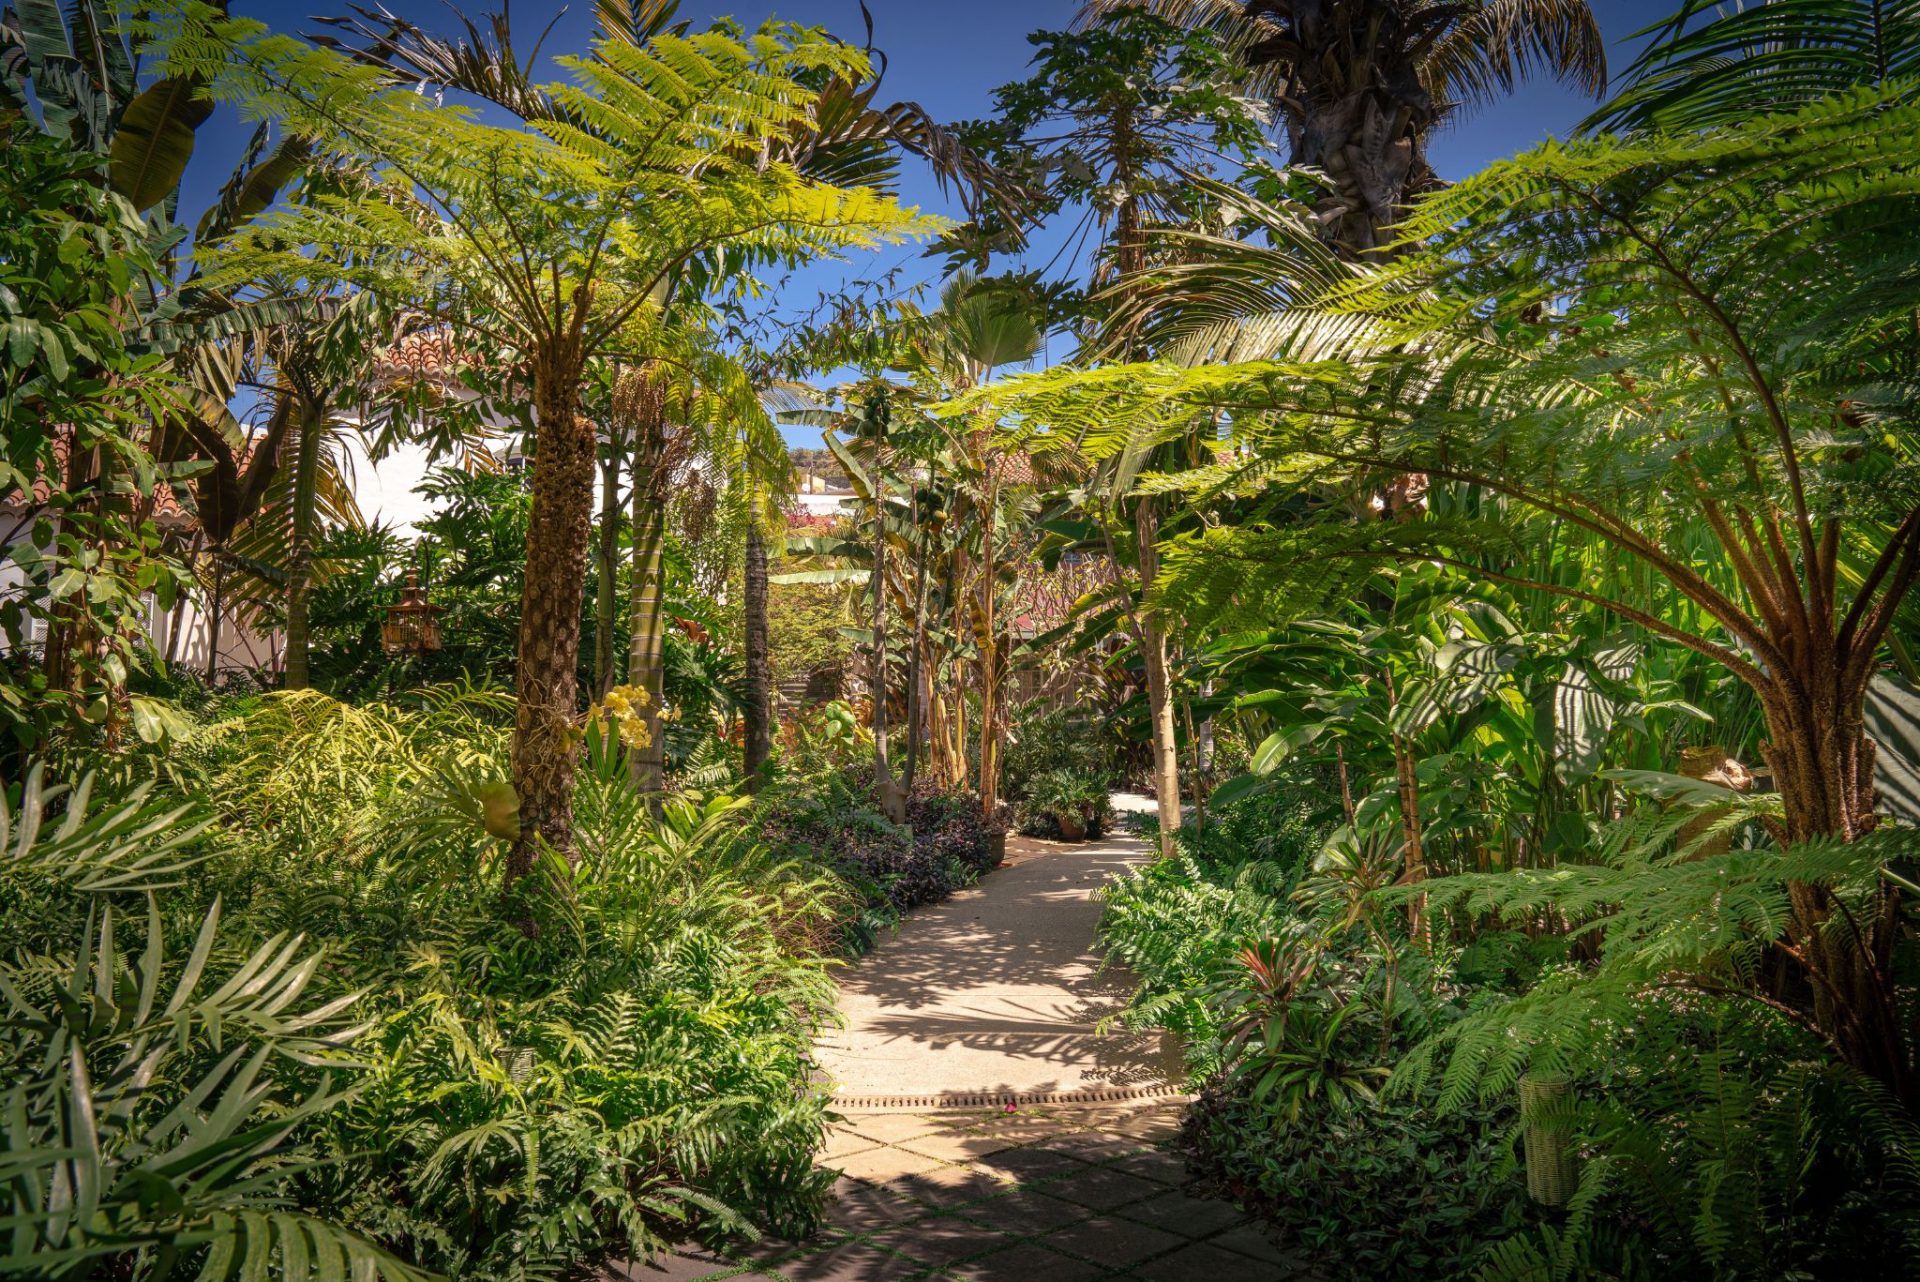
x: 306, y: 478
x: 547, y: 679
x: 646, y: 659
x: 606, y: 566
x: 759, y: 718
x: 1354, y: 109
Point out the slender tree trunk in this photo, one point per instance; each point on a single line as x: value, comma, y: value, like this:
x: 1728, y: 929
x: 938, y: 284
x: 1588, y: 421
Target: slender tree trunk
x: 1346, y: 784
x: 67, y: 623
x: 177, y: 622
x: 1407, y: 780
x: 606, y: 567
x: 306, y: 480
x: 1166, y: 759
x: 989, y: 644
x: 893, y: 801
x: 1197, y: 777
x: 646, y: 658
x: 759, y: 719
x: 215, y: 604
x: 558, y: 535
x: 916, y: 698
x: 1152, y: 642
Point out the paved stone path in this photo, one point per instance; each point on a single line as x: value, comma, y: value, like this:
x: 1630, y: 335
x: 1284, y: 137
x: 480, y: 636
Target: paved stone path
x: 982, y: 1140
x: 994, y: 995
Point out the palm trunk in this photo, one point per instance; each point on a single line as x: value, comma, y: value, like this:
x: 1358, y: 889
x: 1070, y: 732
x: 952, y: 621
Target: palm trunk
x: 306, y: 479
x: 558, y: 535
x: 607, y: 565
x: 646, y: 663
x: 215, y: 603
x: 759, y: 718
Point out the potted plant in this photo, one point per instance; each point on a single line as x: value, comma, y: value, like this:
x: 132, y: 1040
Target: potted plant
x: 1075, y: 798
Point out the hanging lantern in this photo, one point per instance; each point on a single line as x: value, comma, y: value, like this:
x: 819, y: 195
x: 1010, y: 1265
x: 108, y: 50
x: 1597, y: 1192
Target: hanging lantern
x: 412, y: 626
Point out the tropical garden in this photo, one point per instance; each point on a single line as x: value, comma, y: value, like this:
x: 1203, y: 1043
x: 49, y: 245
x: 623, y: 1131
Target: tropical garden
x: 1499, y: 586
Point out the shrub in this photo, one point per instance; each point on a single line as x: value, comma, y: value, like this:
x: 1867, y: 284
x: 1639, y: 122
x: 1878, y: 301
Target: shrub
x: 1064, y: 799
x: 1045, y: 740
x: 1383, y: 1190
x: 834, y: 821
x: 152, y: 1104
x: 636, y: 1070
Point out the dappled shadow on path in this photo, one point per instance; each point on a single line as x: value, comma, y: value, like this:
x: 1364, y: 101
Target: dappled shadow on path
x: 999, y: 989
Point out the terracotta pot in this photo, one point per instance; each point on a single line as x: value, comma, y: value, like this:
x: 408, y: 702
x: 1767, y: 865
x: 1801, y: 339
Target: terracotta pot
x: 1072, y: 827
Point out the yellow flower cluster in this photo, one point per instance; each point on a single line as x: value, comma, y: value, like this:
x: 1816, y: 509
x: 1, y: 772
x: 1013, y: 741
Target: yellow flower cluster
x: 624, y: 712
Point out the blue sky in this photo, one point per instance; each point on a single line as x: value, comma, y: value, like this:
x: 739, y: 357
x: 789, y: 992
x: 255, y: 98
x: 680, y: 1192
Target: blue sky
x: 949, y: 58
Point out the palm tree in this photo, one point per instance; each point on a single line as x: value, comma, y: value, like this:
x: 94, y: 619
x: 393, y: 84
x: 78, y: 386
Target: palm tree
x: 560, y: 246
x: 1360, y: 85
x: 1752, y: 59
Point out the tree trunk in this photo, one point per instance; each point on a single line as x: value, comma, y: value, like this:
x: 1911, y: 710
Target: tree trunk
x: 1407, y: 781
x: 646, y: 660
x: 1152, y: 641
x: 215, y: 604
x: 759, y: 718
x: 606, y: 567
x: 558, y: 534
x: 989, y: 645
x: 916, y: 671
x: 1166, y: 760
x: 1353, y: 109
x: 306, y: 480
x: 1822, y: 764
x: 893, y: 801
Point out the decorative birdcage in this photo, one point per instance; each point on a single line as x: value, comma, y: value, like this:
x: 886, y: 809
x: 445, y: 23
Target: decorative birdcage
x: 413, y: 625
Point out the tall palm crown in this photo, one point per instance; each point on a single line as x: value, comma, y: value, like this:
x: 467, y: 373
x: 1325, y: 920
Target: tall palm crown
x: 1359, y: 85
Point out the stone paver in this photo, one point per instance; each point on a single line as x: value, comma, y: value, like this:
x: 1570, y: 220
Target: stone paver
x: 996, y: 993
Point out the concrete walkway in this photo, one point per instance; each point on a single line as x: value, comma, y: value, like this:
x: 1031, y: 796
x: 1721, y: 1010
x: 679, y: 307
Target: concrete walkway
x: 988, y: 1133
x: 992, y: 997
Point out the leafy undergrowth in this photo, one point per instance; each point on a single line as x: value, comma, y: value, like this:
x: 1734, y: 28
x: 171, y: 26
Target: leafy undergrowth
x: 1289, y: 1123
x: 1357, y: 1080
x: 1393, y: 1190
x: 615, y: 1059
